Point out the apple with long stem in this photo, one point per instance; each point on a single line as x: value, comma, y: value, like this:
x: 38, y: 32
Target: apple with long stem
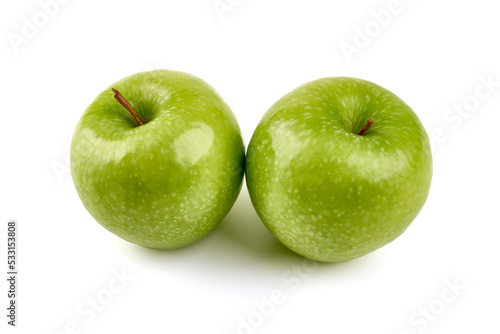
x: 161, y: 167
x: 338, y: 168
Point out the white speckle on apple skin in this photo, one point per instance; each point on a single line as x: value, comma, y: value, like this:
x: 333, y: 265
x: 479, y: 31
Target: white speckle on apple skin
x: 326, y: 192
x: 169, y: 182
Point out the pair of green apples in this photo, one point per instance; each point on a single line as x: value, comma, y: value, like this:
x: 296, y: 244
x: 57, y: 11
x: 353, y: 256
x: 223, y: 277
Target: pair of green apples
x: 335, y: 169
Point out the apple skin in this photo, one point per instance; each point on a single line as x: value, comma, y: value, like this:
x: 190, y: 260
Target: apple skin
x: 166, y: 183
x: 326, y: 192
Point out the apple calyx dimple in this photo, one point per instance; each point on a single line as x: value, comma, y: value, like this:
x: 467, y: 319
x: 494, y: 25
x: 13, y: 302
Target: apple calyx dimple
x: 119, y: 97
x: 367, y: 127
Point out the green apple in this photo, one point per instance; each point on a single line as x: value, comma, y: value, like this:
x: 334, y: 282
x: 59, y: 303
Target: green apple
x: 160, y: 165
x: 338, y: 168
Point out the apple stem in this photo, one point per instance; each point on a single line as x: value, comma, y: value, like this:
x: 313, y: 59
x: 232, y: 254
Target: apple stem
x: 367, y: 127
x: 119, y: 97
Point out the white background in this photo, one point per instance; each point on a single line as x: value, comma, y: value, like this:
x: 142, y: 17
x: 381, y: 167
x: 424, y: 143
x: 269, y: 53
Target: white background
x: 434, y: 55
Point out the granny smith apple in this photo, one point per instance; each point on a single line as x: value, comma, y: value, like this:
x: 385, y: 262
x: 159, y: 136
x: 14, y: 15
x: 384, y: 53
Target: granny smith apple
x: 158, y: 159
x: 338, y: 168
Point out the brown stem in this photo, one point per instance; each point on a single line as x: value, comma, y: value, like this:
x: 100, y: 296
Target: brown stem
x: 119, y: 97
x: 367, y: 127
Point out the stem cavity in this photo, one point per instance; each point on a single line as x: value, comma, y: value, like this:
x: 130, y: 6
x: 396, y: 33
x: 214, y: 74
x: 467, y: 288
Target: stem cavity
x: 119, y: 97
x: 367, y: 127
